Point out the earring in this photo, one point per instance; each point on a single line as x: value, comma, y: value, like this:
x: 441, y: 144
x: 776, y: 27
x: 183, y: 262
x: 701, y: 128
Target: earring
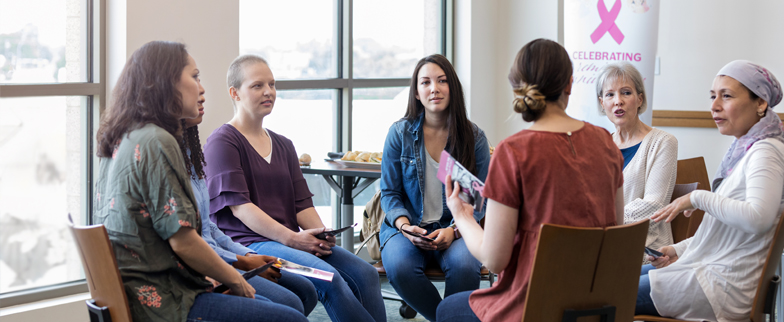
x: 761, y: 113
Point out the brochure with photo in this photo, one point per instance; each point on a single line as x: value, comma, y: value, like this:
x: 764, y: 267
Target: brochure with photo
x: 471, y: 187
x: 303, y: 270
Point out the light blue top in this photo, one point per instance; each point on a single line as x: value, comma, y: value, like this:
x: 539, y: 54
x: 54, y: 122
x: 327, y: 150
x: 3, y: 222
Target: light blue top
x: 222, y: 244
x: 403, y: 175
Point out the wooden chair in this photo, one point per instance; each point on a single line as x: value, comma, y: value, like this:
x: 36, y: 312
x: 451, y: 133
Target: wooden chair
x: 109, y: 302
x: 690, y: 171
x: 765, y: 298
x: 681, y: 225
x: 586, y: 273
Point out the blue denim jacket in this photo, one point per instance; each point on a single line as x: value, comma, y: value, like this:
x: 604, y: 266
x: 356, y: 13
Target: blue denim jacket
x: 403, y: 175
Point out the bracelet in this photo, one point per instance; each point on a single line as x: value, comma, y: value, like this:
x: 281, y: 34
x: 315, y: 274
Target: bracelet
x: 403, y: 224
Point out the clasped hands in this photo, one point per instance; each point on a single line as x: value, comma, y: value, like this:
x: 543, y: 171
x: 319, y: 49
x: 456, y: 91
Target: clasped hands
x: 306, y: 241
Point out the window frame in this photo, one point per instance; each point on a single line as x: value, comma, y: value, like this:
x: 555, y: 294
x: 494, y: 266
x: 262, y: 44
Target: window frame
x: 345, y: 83
x: 95, y: 90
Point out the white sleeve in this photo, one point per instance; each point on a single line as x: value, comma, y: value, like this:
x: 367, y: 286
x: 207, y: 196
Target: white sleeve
x: 659, y: 182
x: 757, y: 214
x: 682, y: 245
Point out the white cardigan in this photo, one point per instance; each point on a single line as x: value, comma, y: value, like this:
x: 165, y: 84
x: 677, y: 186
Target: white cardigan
x: 648, y: 181
x: 719, y: 268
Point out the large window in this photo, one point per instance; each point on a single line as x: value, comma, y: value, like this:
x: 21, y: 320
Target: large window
x: 342, y: 68
x: 50, y: 91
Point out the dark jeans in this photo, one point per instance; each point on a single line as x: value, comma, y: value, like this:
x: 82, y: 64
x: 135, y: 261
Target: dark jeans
x: 210, y: 307
x: 456, y: 309
x: 405, y: 265
x: 644, y: 302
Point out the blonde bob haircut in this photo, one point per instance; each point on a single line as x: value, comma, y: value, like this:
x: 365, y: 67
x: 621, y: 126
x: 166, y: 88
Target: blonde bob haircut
x: 621, y: 72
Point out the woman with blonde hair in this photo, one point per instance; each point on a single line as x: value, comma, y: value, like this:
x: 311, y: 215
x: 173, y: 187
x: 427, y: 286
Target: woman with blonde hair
x: 650, y: 155
x: 144, y: 199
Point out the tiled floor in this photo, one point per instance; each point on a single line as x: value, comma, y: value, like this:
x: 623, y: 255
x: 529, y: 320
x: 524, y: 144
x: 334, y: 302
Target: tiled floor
x: 320, y: 315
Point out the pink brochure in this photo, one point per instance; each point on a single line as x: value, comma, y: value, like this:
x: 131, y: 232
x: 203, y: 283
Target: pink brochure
x: 471, y: 186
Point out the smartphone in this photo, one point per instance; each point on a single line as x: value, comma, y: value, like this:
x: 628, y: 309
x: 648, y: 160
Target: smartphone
x: 654, y: 253
x: 323, y: 235
x: 415, y: 234
x: 256, y: 271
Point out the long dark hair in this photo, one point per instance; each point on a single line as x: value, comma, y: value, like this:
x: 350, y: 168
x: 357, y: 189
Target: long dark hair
x: 461, y: 132
x: 145, y: 93
x: 190, y: 142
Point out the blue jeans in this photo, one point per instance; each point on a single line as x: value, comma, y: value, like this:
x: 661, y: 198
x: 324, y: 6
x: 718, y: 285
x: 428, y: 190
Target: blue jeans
x: 292, y: 290
x: 209, y: 307
x: 456, y: 309
x: 405, y: 265
x: 644, y: 302
x: 354, y: 293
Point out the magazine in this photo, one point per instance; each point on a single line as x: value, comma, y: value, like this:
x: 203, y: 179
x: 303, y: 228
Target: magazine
x: 470, y: 185
x: 303, y: 270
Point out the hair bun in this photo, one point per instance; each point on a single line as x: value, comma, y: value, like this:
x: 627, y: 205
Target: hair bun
x: 528, y: 99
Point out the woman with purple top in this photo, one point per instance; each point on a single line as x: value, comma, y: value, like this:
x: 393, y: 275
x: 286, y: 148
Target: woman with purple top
x: 260, y: 199
x: 288, y: 289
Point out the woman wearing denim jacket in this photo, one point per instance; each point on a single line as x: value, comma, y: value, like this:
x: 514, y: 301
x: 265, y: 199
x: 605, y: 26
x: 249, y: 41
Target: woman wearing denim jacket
x: 412, y: 196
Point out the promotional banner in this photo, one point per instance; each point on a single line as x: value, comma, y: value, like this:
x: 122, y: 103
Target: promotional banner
x: 601, y: 32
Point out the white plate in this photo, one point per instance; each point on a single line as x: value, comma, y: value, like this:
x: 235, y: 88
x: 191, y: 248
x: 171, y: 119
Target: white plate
x: 359, y: 165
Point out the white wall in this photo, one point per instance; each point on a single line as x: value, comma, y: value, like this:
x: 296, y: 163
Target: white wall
x: 488, y: 35
x: 696, y: 38
x: 209, y: 29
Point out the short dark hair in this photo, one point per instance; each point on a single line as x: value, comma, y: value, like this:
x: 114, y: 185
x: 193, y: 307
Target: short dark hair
x: 540, y: 72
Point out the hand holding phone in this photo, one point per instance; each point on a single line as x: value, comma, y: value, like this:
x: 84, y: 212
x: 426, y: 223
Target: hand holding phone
x: 653, y: 253
x: 323, y: 235
x: 416, y: 234
x: 220, y: 288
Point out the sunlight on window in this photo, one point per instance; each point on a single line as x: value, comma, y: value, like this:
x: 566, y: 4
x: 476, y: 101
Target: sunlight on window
x: 40, y: 183
x: 45, y: 45
x: 295, y: 37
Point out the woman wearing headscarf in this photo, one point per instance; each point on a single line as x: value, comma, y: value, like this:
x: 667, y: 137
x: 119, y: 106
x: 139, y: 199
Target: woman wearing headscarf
x: 713, y: 276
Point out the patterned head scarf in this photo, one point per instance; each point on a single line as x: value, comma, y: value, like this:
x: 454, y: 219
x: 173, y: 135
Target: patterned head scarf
x: 761, y: 82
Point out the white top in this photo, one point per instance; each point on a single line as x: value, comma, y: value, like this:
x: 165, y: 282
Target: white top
x: 722, y: 263
x: 269, y: 156
x: 433, y: 204
x: 648, y: 181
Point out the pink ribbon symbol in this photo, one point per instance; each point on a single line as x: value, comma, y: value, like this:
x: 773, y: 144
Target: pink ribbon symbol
x: 608, y: 22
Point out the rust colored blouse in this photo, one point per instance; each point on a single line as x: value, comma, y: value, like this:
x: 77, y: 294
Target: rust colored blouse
x: 551, y: 178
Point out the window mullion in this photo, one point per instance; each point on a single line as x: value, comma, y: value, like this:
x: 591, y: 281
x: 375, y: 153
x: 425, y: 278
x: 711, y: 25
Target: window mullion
x: 65, y: 89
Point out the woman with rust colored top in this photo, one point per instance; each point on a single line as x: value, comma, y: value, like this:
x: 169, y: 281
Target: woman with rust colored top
x: 560, y: 171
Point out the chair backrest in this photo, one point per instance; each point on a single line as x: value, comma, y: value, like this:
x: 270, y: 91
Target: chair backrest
x: 768, y: 272
x: 693, y: 170
x: 680, y: 225
x: 100, y: 268
x: 585, y: 268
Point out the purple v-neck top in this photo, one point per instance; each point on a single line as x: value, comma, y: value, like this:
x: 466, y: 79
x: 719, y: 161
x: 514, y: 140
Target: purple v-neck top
x: 237, y: 174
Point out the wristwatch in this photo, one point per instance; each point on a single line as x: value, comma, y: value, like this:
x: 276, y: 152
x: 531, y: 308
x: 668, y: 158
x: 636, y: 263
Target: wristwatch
x: 454, y: 227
